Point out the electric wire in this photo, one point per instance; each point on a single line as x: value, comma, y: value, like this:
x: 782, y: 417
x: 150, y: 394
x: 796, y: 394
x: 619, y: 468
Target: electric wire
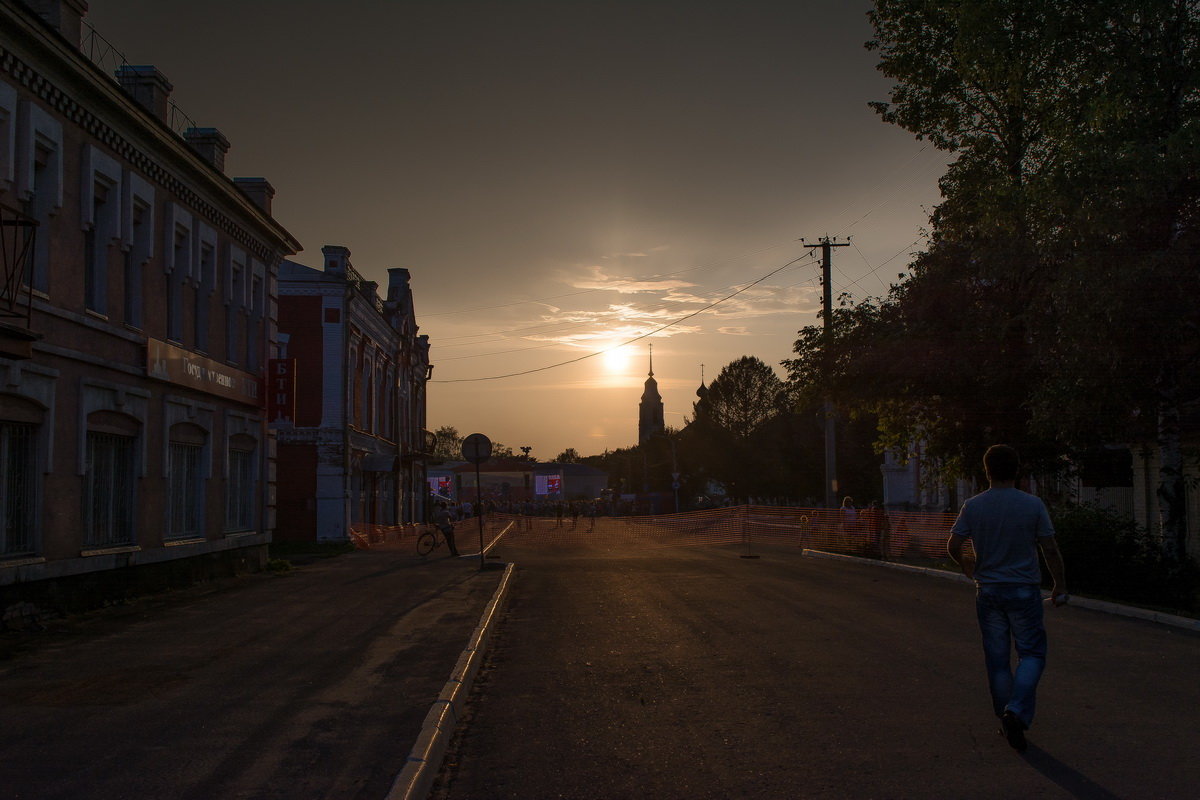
x: 628, y: 341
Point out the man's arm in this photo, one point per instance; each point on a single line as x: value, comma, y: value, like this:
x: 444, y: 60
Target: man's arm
x: 1058, y: 572
x: 954, y: 547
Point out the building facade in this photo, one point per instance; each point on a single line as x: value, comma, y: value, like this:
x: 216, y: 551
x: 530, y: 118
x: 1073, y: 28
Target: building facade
x: 137, y: 323
x: 353, y: 443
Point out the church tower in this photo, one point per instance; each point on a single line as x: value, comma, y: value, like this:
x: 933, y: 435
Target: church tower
x: 650, y: 410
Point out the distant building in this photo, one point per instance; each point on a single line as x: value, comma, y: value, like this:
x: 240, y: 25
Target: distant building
x: 352, y: 450
x: 555, y: 481
x: 135, y: 332
x: 500, y: 480
x: 650, y: 409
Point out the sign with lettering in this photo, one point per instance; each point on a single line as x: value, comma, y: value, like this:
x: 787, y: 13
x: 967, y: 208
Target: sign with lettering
x: 168, y: 362
x: 281, y: 390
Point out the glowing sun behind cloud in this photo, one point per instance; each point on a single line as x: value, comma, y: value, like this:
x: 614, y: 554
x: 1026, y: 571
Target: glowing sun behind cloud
x: 616, y: 361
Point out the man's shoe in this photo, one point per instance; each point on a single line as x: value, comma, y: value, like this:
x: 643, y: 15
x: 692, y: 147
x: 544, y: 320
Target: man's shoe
x: 1014, y: 731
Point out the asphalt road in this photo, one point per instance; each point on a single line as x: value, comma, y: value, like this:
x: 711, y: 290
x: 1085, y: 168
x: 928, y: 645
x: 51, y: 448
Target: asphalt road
x: 694, y: 673
x: 312, y: 684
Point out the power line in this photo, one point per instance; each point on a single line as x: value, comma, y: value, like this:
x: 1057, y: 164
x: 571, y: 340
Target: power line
x: 738, y: 257
x: 547, y: 327
x: 634, y: 339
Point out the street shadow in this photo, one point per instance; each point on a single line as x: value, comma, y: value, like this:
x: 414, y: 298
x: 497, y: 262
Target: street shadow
x: 1069, y: 779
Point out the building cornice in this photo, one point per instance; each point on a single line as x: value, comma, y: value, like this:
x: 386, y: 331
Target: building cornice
x: 33, y: 33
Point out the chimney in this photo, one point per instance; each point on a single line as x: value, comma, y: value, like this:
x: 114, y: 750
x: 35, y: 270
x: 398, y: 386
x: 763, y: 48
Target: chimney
x: 210, y: 144
x: 337, y: 259
x: 147, y: 86
x: 398, y: 278
x: 65, y: 16
x: 258, y: 190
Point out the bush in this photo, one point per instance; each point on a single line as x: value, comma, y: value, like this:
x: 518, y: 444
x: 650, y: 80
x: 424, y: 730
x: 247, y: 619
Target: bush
x: 1109, y: 556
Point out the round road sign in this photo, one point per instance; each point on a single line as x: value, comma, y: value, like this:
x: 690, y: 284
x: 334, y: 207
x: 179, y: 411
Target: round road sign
x: 477, y: 448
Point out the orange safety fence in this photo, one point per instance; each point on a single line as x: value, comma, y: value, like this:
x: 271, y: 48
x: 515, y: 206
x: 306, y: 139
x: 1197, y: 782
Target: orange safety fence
x: 368, y: 536
x: 890, y: 535
x: 893, y: 535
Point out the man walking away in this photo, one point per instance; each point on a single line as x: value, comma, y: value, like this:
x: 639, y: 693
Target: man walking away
x: 1006, y: 526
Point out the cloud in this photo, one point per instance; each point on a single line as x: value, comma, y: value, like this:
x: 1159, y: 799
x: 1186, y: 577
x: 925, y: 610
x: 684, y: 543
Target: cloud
x: 597, y: 279
x: 733, y: 330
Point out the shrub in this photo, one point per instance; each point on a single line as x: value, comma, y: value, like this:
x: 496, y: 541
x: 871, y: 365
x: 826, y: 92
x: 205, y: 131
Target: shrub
x: 1109, y: 556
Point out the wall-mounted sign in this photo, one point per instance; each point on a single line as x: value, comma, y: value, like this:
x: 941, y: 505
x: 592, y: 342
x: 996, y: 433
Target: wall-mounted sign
x: 281, y: 390
x: 166, y: 362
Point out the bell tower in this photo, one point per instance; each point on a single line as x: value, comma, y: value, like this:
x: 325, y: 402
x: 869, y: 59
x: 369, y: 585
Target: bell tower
x: 650, y: 410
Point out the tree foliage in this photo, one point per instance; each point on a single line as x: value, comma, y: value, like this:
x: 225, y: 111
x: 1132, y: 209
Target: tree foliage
x: 1053, y: 303
x: 744, y: 395
x: 569, y: 456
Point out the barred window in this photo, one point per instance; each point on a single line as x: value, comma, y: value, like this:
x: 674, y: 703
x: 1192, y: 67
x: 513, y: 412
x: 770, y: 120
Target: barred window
x: 17, y: 488
x: 109, y: 489
x: 185, y: 496
x: 240, y: 489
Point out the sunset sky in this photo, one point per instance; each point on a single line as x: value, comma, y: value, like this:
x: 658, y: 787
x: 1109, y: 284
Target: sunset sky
x: 560, y: 177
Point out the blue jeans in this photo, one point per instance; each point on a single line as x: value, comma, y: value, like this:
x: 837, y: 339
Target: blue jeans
x: 1012, y: 613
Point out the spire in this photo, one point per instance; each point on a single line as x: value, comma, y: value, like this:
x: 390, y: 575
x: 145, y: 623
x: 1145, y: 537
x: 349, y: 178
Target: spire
x: 651, y: 360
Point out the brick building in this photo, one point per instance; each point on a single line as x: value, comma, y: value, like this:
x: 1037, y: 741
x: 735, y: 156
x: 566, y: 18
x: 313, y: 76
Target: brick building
x: 137, y: 327
x: 352, y: 450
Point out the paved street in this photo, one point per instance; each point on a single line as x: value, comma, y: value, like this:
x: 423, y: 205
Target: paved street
x: 310, y: 684
x: 693, y: 673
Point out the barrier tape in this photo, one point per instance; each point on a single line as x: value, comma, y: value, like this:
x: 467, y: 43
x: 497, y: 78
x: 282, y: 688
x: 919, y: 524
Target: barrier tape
x: 889, y: 535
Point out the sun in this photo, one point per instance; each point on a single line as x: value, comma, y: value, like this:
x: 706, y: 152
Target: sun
x: 616, y: 360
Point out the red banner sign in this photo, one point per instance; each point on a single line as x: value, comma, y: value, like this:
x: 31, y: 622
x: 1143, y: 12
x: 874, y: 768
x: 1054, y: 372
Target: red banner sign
x: 281, y: 390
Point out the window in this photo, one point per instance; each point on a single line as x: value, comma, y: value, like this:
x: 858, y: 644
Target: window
x: 109, y: 489
x: 100, y: 216
x: 185, y: 481
x: 241, y: 484
x: 235, y: 304
x: 39, y: 181
x: 8, y: 118
x: 208, y: 259
x: 140, y: 233
x: 181, y: 244
x: 17, y: 496
x: 254, y: 321
x: 96, y: 238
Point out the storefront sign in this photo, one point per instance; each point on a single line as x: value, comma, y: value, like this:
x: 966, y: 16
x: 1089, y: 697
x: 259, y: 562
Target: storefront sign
x: 281, y: 390
x: 166, y: 362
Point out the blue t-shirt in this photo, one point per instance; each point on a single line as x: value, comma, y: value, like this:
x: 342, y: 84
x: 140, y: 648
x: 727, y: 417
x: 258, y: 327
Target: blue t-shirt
x: 1004, y: 526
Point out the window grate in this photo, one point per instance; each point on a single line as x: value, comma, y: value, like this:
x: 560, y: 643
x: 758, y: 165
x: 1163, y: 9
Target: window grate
x: 239, y: 515
x: 109, y: 499
x: 184, y: 500
x: 17, y: 487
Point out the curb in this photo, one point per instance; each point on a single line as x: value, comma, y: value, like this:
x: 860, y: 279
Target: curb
x: 425, y: 760
x: 1104, y: 606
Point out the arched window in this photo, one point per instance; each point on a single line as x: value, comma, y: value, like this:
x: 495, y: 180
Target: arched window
x: 185, y: 480
x: 109, y: 497
x: 20, y: 421
x: 241, y: 483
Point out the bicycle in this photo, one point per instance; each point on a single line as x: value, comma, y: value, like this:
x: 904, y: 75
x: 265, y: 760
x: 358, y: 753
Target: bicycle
x: 429, y: 541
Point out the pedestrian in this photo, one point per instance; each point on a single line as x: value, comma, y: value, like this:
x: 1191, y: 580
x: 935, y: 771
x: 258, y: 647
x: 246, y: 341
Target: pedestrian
x: 1006, y: 527
x: 848, y: 516
x: 445, y: 523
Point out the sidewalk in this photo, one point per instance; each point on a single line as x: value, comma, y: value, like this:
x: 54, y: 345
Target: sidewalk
x: 314, y: 682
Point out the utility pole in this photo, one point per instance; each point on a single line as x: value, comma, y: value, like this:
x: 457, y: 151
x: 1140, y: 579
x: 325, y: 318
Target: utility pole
x: 831, y: 482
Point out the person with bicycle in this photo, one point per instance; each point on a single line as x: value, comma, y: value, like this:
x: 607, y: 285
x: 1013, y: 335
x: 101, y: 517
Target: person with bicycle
x: 445, y: 523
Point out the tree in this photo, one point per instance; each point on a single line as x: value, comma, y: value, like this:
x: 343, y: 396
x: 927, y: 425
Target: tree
x: 569, y: 456
x: 744, y: 395
x: 1071, y: 209
x: 449, y: 443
